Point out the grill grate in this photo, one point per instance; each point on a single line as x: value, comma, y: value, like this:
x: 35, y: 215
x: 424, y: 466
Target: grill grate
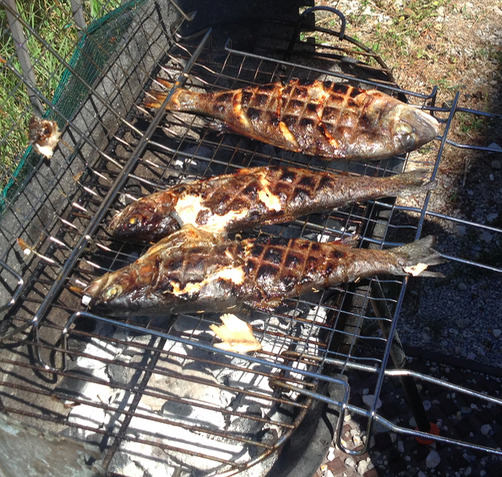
x: 153, y: 392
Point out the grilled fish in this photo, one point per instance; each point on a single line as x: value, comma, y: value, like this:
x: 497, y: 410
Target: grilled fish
x: 260, y: 195
x: 331, y: 120
x: 192, y: 271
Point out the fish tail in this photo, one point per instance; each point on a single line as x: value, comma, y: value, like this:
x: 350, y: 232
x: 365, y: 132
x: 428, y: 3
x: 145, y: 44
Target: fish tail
x: 181, y: 100
x: 413, y: 182
x: 415, y: 257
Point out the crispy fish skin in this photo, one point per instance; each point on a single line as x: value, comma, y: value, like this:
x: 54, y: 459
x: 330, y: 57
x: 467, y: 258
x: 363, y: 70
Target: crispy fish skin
x: 330, y: 120
x: 254, y: 196
x: 188, y: 273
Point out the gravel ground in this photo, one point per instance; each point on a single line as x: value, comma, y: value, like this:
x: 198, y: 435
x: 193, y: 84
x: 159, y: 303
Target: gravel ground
x: 456, y: 46
x: 393, y: 454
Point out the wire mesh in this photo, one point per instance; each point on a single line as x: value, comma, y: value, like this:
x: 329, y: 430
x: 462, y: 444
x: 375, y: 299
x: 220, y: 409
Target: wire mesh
x: 130, y: 375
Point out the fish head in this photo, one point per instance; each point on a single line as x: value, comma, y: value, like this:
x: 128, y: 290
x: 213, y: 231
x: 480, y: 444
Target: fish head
x: 121, y: 291
x: 143, y: 220
x: 389, y: 127
x: 410, y: 127
x: 106, y: 292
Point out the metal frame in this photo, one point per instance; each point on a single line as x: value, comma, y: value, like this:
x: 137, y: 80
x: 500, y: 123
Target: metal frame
x: 104, y: 183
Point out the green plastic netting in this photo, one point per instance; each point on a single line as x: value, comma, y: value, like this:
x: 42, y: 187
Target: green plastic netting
x: 88, y: 62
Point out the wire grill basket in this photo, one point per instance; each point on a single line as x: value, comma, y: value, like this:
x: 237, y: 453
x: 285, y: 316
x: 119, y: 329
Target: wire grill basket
x: 153, y: 392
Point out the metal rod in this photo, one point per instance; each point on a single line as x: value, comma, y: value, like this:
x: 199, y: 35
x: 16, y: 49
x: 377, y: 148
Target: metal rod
x: 398, y: 357
x: 106, y: 203
x: 396, y: 89
x: 78, y: 15
x: 22, y: 52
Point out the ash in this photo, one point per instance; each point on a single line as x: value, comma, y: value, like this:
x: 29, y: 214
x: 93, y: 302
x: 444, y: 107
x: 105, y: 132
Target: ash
x: 199, y: 411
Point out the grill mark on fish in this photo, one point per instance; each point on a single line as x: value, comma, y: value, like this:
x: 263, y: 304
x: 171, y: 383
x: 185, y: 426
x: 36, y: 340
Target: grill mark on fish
x: 218, y: 275
x: 323, y: 119
x: 255, y: 196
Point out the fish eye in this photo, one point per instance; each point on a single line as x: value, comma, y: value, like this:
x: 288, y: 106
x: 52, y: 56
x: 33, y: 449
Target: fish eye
x: 133, y: 220
x: 404, y: 128
x: 112, y: 291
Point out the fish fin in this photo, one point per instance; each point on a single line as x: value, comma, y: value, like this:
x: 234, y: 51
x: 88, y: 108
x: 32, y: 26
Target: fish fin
x: 188, y: 236
x: 411, y: 182
x: 348, y: 241
x: 415, y: 257
x: 270, y: 304
x: 167, y: 84
x: 154, y: 99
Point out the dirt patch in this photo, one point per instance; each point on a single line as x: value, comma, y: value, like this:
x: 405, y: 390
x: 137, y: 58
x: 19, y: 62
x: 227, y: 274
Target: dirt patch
x: 457, y: 47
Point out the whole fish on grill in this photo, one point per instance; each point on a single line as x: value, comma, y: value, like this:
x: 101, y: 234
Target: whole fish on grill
x: 254, y: 196
x: 193, y: 271
x: 330, y: 120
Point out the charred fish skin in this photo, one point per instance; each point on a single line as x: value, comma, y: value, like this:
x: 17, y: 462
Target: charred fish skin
x: 188, y: 272
x: 209, y: 275
x: 254, y: 196
x: 330, y: 120
x: 281, y: 269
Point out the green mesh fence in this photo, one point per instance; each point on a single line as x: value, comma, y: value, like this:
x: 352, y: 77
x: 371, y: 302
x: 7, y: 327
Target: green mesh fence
x: 87, y: 64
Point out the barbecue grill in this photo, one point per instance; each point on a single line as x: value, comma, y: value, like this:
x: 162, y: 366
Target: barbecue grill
x: 153, y: 395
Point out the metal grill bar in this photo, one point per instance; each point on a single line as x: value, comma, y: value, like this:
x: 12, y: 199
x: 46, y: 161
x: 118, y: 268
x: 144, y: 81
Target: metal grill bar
x: 320, y: 342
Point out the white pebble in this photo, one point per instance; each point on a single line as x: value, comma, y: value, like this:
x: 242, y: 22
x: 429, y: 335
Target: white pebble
x: 393, y: 437
x: 362, y: 467
x: 496, y: 332
x: 427, y: 404
x: 350, y: 462
x: 357, y: 440
x: 400, y: 447
x: 331, y: 454
x: 433, y: 459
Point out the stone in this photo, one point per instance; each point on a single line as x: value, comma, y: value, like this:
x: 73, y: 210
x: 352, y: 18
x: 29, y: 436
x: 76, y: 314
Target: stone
x: 462, y: 323
x: 362, y: 467
x: 369, y: 399
x: 495, y: 163
x: 331, y: 454
x: 350, y: 462
x: 433, y: 459
x: 486, y: 429
x: 496, y: 332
